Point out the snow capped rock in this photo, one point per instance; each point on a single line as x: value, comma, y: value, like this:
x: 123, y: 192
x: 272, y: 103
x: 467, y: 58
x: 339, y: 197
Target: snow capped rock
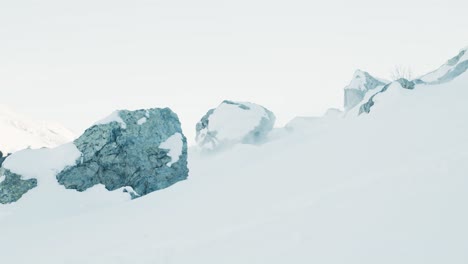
x: 20, y: 132
x: 120, y: 154
x: 28, y: 168
x: 234, y: 122
x: 363, y: 81
x: 146, y: 156
x: 356, y: 90
x: 114, y: 117
x: 450, y: 70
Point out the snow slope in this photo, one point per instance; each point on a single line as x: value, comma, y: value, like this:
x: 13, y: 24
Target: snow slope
x: 387, y: 187
x: 19, y: 132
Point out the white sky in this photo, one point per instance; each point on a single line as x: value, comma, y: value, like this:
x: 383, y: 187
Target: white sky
x: 77, y: 61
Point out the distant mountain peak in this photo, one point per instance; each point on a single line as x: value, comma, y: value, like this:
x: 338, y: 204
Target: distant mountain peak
x: 19, y: 132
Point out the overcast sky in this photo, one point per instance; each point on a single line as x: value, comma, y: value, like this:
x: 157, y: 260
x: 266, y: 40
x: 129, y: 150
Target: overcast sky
x: 77, y: 61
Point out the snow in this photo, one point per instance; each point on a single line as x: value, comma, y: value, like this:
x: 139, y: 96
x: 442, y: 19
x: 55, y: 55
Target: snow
x: 175, y: 145
x: 141, y: 121
x: 114, y: 117
x: 232, y: 123
x: 50, y: 199
x: 386, y: 187
x: 18, y: 132
x: 37, y: 163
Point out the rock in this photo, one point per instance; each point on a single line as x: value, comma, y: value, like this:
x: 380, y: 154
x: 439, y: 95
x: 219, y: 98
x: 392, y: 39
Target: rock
x: 234, y: 122
x: 406, y: 84
x: 361, y: 83
x: 365, y: 108
x: 1, y: 158
x: 12, y: 187
x: 455, y: 72
x: 144, y: 149
x: 449, y: 71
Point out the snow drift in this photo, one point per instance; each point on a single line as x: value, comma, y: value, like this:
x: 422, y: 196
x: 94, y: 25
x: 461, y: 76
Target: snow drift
x: 384, y: 187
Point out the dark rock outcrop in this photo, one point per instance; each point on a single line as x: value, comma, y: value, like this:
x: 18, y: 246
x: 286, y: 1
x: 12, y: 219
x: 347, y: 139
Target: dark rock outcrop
x: 406, y: 84
x: 2, y: 158
x: 449, y: 71
x: 13, y: 187
x: 455, y: 72
x: 143, y: 149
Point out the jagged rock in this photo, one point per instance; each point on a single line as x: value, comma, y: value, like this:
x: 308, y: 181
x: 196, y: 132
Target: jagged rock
x: 1, y: 158
x: 455, y: 72
x: 449, y: 71
x: 234, y: 122
x: 361, y: 83
x: 144, y: 149
x: 406, y: 84
x: 12, y: 187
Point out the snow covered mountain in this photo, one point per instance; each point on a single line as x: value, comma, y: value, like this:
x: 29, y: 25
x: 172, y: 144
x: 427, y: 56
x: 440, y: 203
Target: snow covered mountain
x: 19, y: 132
x: 389, y: 186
